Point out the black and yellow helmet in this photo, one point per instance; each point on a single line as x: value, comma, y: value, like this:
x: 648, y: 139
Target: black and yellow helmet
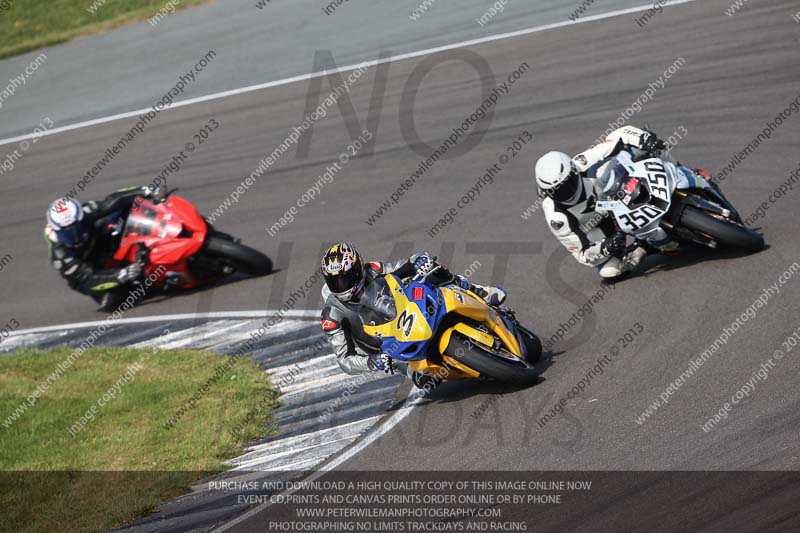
x: 343, y: 270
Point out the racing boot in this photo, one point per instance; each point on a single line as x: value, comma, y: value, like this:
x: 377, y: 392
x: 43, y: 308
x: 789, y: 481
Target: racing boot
x: 611, y: 269
x: 491, y: 295
x: 663, y: 243
x: 616, y: 268
x: 632, y: 260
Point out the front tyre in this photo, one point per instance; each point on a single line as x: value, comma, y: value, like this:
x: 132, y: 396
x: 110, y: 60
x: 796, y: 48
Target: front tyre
x: 490, y: 364
x: 236, y: 255
x: 725, y: 232
x: 532, y: 344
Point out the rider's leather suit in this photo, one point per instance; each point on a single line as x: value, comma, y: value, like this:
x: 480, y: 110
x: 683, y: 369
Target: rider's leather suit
x: 582, y: 230
x: 82, y: 267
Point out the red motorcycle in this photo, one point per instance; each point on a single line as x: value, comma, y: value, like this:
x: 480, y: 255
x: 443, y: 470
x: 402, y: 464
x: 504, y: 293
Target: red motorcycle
x: 171, y: 238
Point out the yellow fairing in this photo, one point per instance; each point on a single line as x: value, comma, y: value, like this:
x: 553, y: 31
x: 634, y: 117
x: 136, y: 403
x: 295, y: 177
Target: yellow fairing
x: 409, y: 325
x: 469, y: 305
x: 456, y: 370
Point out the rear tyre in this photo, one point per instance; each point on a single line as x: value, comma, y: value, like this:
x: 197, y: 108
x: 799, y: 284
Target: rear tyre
x: 728, y: 234
x: 238, y: 256
x: 489, y: 364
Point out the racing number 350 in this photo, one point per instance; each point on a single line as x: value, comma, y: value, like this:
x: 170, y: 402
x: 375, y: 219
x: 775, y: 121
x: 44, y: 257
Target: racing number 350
x: 658, y: 179
x: 640, y: 217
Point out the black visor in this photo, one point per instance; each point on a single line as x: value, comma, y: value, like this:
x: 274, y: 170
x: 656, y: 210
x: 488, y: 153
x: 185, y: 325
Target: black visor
x: 344, y: 281
x: 73, y: 236
x: 567, y: 190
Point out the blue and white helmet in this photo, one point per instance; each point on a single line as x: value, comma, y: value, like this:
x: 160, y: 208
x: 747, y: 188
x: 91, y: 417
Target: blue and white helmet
x: 65, y: 219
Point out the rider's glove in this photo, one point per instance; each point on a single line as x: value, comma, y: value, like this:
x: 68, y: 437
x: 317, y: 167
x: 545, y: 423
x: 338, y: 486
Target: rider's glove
x: 652, y: 144
x: 157, y: 193
x: 615, y: 245
x: 381, y: 361
x: 131, y: 273
x: 423, y: 263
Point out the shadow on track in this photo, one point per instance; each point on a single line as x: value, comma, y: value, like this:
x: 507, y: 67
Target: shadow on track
x: 162, y: 294
x: 655, y: 263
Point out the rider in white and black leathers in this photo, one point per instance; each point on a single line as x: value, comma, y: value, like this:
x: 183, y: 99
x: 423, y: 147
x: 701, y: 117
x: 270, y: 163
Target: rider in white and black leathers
x: 347, y: 279
x: 568, y: 186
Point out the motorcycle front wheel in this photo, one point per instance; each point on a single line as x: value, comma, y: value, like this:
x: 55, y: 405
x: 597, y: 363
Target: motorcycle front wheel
x: 533, y: 345
x: 726, y: 232
x: 489, y: 364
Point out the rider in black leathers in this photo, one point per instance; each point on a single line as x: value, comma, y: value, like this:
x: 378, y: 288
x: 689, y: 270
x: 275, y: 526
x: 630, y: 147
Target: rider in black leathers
x: 82, y: 236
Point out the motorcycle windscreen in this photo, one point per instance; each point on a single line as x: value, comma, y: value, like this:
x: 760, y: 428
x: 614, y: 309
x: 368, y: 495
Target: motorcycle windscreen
x: 387, y: 313
x: 141, y: 221
x: 613, y: 180
x: 377, y: 306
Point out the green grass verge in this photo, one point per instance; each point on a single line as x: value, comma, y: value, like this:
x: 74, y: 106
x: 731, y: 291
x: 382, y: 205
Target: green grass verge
x: 118, y: 466
x: 30, y: 24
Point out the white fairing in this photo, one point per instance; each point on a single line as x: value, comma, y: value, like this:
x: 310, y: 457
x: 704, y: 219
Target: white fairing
x: 660, y: 178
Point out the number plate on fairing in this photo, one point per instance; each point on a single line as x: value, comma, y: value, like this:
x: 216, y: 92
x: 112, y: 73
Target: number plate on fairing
x: 659, y: 180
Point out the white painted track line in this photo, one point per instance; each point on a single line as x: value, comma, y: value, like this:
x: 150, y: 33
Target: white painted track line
x: 323, y: 360
x: 304, y: 77
x: 300, y: 440
x: 165, y: 318
x: 312, y: 377
x: 411, y: 401
x: 313, y: 440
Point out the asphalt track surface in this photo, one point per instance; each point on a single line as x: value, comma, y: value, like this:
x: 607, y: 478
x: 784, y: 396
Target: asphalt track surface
x: 739, y: 72
x: 132, y: 67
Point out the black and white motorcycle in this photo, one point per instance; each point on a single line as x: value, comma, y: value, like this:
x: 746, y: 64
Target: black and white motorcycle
x: 656, y: 193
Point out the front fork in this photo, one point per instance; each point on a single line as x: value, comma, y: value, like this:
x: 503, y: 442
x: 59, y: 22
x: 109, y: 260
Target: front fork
x: 711, y: 188
x: 705, y: 205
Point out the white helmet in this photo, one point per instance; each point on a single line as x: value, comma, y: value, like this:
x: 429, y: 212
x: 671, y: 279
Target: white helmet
x: 558, y: 178
x: 65, y: 218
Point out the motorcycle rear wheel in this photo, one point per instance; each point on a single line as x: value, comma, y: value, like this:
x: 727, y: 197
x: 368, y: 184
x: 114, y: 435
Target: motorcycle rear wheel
x: 489, y: 364
x: 236, y: 255
x: 726, y: 233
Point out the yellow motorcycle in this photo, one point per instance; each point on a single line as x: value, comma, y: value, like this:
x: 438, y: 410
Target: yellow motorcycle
x: 449, y: 332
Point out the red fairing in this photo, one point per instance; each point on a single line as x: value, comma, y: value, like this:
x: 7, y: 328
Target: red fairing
x: 172, y: 231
